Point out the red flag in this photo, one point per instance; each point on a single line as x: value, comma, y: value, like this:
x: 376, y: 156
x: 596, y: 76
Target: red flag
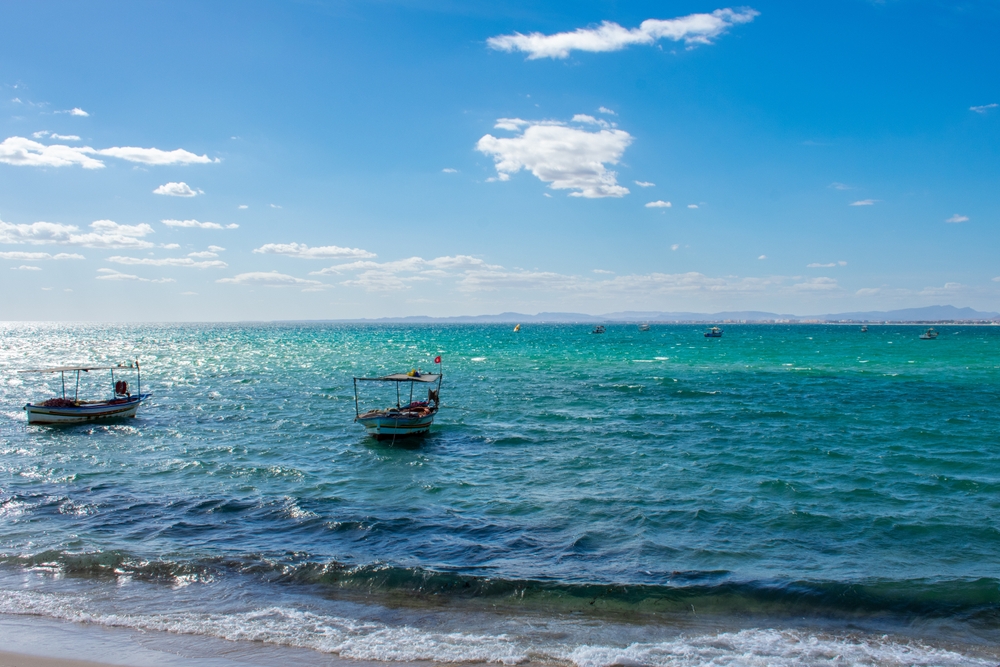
x: 437, y: 359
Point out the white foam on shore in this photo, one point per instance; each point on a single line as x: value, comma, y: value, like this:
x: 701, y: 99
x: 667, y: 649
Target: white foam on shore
x: 372, y: 640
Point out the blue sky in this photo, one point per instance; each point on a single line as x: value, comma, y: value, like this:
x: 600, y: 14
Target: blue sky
x: 286, y: 160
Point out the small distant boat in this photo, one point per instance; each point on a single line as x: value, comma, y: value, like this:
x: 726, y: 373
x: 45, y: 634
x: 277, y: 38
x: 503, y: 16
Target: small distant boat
x: 714, y: 332
x: 930, y: 334
x: 413, y: 418
x: 643, y: 327
x: 517, y: 327
x: 599, y: 329
x: 123, y: 403
x: 864, y: 328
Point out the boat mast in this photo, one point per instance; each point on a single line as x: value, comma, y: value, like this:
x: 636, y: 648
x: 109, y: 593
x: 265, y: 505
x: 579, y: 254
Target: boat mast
x: 76, y: 396
x: 357, y: 411
x: 63, y: 374
x: 138, y: 378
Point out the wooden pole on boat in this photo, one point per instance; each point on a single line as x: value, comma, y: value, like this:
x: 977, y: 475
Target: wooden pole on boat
x: 113, y: 384
x: 357, y: 411
x: 76, y: 396
x: 63, y: 374
x: 138, y: 378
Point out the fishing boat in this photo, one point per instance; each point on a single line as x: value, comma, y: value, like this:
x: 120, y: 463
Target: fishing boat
x: 714, y: 332
x: 599, y: 329
x: 864, y: 328
x: 517, y: 328
x: 930, y: 334
x: 643, y: 327
x: 403, y: 420
x: 122, y: 403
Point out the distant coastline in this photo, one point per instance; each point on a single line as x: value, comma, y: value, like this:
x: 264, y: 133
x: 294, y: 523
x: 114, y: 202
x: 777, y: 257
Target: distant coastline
x: 925, y: 315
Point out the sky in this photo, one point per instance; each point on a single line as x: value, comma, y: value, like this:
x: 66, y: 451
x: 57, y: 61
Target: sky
x: 188, y: 161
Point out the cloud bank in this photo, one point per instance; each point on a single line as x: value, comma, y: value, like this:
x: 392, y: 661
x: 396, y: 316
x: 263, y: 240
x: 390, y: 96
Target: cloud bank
x: 23, y: 152
x: 692, y: 30
x: 194, y: 224
x: 302, y: 251
x: 105, y: 234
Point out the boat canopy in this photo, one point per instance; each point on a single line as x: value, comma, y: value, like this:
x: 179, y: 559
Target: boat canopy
x: 67, y: 369
x: 403, y: 377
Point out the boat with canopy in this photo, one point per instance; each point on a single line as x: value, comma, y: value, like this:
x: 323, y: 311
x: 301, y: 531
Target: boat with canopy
x: 403, y: 420
x: 63, y: 410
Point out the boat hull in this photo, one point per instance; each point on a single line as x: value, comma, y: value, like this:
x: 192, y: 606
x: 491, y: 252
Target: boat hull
x: 40, y: 414
x: 392, y: 426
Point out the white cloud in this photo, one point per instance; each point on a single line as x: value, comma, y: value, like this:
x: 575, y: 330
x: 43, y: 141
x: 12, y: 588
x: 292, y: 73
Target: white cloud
x: 181, y: 189
x: 275, y: 206
x: 168, y: 261
x: 63, y: 137
x: 590, y: 120
x: 170, y: 246
x: 997, y: 279
x: 198, y: 225
x: 216, y: 248
x: 840, y: 186
x: 984, y: 108
x: 267, y: 279
x: 692, y: 29
x: 111, y: 274
x: 106, y: 234
x: 40, y: 134
x: 606, y: 110
x: 303, y: 251
x: 692, y: 206
x: 659, y: 204
x: 762, y: 257
x: 77, y: 111
x: 38, y: 256
x: 204, y: 254
x: 864, y: 202
x: 958, y: 218
x: 242, y: 206
x: 604, y: 271
x: 27, y: 153
x: 376, y: 276
x: 449, y: 170
x: 567, y: 158
x: 25, y: 267
x: 817, y: 285
x: 817, y: 265
x: 24, y: 152
x: 156, y: 156
x: 675, y: 246
x: 645, y: 184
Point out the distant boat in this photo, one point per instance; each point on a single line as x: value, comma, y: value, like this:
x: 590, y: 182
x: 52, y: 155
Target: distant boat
x: 930, y: 334
x: 517, y: 327
x: 864, y: 328
x: 643, y: 327
x: 414, y: 418
x: 599, y: 329
x: 123, y: 403
x: 714, y: 332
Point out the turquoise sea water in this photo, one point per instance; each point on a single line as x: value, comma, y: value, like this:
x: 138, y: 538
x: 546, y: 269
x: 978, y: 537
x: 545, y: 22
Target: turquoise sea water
x: 787, y: 494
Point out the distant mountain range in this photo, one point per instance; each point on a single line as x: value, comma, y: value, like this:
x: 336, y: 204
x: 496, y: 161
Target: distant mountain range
x: 925, y: 314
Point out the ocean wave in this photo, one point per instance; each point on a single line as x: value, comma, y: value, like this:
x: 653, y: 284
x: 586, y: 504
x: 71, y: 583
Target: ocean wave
x: 705, y: 592
x: 376, y: 641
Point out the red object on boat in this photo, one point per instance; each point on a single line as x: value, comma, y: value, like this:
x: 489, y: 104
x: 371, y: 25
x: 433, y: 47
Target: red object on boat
x: 437, y: 360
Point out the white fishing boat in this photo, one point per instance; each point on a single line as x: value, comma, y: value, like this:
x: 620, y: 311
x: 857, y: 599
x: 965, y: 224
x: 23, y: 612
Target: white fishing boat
x: 403, y: 420
x: 122, y: 403
x: 643, y: 327
x: 930, y: 334
x: 714, y: 332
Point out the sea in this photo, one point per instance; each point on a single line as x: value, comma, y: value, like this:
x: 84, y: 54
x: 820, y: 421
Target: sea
x: 787, y: 494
